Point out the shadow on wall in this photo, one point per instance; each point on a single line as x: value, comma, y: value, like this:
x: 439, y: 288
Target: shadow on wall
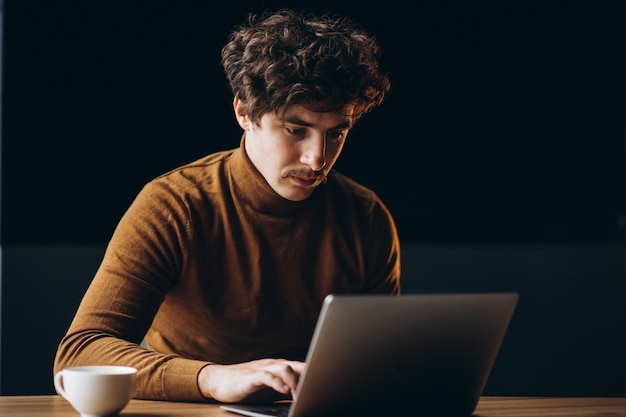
x: 566, y: 338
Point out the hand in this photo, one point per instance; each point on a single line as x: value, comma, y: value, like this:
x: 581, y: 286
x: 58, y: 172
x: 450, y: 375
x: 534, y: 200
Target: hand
x: 260, y: 379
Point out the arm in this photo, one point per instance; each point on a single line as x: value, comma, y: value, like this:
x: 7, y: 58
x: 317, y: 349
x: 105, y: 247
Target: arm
x: 383, y: 251
x: 140, y: 266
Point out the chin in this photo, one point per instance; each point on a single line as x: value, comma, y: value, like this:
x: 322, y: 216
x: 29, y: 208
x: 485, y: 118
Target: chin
x: 297, y: 195
x: 297, y: 198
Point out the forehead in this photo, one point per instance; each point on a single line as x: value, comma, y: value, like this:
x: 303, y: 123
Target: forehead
x: 302, y: 114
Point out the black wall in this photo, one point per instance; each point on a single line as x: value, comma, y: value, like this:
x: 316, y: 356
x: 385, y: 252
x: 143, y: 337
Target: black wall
x: 505, y: 128
x: 506, y: 122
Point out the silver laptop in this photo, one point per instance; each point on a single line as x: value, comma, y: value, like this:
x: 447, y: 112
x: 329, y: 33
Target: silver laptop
x: 380, y: 354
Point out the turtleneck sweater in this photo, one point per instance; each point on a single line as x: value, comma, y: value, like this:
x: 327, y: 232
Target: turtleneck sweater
x: 210, y: 265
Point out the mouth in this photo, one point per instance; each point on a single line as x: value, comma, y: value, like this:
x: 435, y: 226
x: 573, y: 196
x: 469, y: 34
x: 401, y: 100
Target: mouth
x: 306, y: 182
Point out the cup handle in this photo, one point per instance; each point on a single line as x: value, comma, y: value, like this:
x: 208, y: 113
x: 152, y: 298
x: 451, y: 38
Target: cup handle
x: 58, y: 384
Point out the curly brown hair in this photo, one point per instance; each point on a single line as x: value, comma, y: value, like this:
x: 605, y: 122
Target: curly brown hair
x: 287, y: 58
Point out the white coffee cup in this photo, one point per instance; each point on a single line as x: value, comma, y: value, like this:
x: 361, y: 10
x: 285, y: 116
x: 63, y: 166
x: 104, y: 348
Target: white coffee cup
x: 96, y: 391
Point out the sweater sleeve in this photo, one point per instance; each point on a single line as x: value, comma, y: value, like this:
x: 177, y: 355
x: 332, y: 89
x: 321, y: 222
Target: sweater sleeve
x: 141, y: 264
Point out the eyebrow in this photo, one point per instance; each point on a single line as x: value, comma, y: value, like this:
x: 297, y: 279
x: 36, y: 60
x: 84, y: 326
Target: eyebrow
x: 297, y: 121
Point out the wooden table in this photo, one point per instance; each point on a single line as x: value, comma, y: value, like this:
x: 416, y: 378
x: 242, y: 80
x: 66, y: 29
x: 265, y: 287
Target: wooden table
x: 55, y: 406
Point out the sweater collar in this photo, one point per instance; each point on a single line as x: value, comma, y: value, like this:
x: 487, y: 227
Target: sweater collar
x: 252, y: 187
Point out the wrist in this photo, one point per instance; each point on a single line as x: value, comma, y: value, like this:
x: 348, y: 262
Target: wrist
x: 204, y: 378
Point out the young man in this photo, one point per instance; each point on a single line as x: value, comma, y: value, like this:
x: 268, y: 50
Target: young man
x: 222, y: 265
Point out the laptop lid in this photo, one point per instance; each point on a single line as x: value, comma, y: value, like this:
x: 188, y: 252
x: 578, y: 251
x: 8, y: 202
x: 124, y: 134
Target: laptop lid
x: 378, y: 354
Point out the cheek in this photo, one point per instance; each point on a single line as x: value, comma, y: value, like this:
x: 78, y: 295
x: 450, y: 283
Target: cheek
x: 287, y: 155
x: 333, y: 151
x: 279, y: 158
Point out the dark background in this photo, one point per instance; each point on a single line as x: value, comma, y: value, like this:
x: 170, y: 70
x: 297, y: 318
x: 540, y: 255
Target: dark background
x: 500, y: 151
x: 506, y: 122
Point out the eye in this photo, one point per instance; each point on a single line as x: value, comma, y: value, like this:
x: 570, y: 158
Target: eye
x: 336, y: 135
x: 294, y: 131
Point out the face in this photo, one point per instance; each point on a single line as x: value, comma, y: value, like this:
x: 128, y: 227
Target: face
x: 294, y: 150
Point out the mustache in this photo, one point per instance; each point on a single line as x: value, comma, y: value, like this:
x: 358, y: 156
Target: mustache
x: 305, y: 173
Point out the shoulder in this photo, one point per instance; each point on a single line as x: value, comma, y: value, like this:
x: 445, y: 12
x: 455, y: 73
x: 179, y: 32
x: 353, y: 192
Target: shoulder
x: 205, y: 166
x: 186, y: 186
x: 352, y: 199
x: 356, y: 202
x: 347, y: 188
x: 200, y: 174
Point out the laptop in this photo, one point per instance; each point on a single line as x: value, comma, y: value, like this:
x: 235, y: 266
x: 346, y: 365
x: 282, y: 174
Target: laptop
x: 379, y: 354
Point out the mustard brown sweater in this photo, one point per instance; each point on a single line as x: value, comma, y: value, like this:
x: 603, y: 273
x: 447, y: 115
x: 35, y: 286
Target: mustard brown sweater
x: 210, y: 265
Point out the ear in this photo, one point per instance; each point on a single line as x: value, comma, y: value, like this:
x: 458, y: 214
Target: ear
x: 241, y: 115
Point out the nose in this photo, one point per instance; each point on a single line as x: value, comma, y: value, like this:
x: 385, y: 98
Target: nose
x: 314, y: 155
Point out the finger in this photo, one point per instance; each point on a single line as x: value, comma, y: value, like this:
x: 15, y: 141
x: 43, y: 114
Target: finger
x: 291, y: 378
x: 275, y: 381
x: 289, y: 373
x: 297, y: 366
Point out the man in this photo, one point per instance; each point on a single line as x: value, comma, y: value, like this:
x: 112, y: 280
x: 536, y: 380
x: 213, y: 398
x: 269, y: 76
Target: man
x: 222, y: 265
